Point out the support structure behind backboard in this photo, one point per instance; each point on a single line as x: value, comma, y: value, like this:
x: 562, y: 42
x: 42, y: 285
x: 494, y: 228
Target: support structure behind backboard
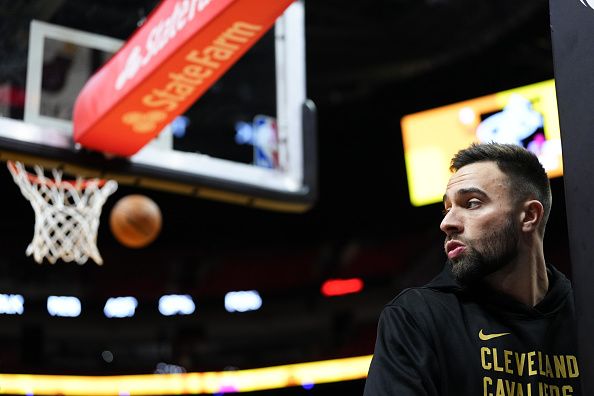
x: 194, y: 171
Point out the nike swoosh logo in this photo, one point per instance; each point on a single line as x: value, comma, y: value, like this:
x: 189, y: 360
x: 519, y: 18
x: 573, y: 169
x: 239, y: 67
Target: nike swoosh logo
x: 487, y: 337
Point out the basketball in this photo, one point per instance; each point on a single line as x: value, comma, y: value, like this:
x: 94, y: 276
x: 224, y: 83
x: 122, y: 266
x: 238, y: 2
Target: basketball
x: 135, y: 221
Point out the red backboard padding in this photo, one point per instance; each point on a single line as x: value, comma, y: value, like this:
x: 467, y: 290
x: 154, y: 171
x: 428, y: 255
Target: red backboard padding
x: 181, y: 50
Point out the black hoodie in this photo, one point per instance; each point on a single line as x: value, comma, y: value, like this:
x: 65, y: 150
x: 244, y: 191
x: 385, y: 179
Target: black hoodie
x: 442, y: 339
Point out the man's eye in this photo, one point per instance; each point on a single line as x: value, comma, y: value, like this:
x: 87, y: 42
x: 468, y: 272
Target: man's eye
x: 473, y: 203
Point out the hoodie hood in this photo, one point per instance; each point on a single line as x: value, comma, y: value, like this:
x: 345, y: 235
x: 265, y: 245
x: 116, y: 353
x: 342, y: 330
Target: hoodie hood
x: 556, y: 297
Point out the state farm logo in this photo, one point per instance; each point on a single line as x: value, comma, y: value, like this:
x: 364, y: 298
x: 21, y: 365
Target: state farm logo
x: 588, y: 3
x: 144, y: 122
x: 160, y: 35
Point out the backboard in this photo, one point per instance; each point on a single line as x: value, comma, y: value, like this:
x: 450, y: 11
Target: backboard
x: 249, y: 140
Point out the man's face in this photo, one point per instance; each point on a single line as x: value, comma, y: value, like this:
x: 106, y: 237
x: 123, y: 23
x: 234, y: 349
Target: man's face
x: 480, y: 224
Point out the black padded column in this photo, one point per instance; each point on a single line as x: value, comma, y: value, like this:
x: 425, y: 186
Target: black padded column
x: 572, y: 29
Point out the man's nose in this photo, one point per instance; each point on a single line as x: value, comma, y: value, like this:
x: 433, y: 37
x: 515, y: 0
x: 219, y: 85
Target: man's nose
x: 451, y: 223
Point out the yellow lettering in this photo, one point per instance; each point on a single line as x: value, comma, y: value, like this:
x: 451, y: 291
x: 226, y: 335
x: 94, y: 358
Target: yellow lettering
x: 540, y: 370
x: 240, y: 30
x: 228, y: 36
x: 507, y: 361
x: 548, y: 368
x: 510, y: 387
x: 194, y: 57
x: 520, y: 358
x: 221, y: 43
x: 567, y: 390
x: 167, y: 95
x: 220, y: 53
x: 238, y: 26
x: 500, y: 388
x: 572, y: 366
x: 560, y: 370
x: 197, y: 72
x: 554, y: 390
x: 487, y: 382
x: 183, y: 78
x: 520, y: 390
x: 484, y: 352
x: 180, y: 89
x: 151, y: 101
x: 201, y: 64
x: 143, y: 122
x: 496, y: 366
x: 531, y: 370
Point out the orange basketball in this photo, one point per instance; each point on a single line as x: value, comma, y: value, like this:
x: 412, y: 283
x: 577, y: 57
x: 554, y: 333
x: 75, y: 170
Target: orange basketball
x: 135, y: 221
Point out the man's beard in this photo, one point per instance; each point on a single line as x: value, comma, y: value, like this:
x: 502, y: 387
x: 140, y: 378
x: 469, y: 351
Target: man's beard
x: 486, y: 255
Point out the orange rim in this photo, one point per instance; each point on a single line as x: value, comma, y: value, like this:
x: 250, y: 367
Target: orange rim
x: 81, y: 185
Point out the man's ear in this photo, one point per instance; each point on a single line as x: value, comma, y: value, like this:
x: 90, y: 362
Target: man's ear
x: 532, y: 215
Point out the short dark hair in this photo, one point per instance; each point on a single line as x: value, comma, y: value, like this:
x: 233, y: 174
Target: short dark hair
x: 527, y: 177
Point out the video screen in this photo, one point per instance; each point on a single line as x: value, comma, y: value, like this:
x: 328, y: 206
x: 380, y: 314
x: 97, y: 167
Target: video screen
x: 525, y: 116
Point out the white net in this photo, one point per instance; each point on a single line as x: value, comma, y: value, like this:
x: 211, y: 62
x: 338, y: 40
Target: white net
x: 66, y: 214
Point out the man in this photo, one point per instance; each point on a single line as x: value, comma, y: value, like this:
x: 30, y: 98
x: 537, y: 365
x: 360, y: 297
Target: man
x: 498, y: 320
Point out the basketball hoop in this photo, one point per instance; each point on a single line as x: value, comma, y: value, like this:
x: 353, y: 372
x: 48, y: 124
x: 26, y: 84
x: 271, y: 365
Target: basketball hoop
x: 66, y: 213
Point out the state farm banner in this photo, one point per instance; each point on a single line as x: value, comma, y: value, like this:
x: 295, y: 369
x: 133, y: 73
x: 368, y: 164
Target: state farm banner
x: 182, y: 49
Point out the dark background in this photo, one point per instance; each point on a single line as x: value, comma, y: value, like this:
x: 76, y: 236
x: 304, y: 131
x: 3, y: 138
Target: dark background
x: 368, y: 64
